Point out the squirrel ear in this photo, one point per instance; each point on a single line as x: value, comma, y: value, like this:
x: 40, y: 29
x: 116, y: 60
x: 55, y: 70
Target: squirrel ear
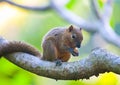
x: 70, y: 28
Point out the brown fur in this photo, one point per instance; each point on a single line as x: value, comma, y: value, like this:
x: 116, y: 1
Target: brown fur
x: 57, y: 41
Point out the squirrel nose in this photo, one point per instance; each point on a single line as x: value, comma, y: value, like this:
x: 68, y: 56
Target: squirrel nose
x: 78, y: 45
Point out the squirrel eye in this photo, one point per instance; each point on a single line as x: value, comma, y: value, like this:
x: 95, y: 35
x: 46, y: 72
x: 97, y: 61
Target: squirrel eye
x: 73, y: 36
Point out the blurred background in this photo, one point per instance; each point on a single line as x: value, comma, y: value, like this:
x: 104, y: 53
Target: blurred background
x: 30, y: 26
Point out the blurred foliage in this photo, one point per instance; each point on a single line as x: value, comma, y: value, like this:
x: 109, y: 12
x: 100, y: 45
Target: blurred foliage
x: 31, y: 26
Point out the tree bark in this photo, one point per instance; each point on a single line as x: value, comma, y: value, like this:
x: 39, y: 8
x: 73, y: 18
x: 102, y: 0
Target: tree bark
x: 99, y: 61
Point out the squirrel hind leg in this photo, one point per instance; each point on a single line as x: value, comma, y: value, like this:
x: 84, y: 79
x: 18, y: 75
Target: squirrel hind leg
x: 49, y: 51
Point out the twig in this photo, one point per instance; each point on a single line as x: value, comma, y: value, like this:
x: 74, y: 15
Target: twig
x: 95, y: 9
x: 41, y: 8
x: 101, y: 26
x: 71, y: 17
x: 105, y: 30
x: 109, y: 35
x: 107, y: 10
x: 99, y: 61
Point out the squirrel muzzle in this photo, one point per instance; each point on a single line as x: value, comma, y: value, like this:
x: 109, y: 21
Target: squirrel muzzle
x: 78, y: 44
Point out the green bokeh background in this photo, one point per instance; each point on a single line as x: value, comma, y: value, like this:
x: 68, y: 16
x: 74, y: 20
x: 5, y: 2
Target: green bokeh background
x: 31, y: 26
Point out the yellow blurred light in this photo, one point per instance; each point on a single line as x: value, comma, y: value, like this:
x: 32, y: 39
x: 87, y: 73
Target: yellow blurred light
x: 6, y: 14
x: 108, y: 79
x: 11, y: 17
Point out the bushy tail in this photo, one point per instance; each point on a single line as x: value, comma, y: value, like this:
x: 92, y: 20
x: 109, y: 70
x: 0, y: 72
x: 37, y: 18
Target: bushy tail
x: 18, y: 46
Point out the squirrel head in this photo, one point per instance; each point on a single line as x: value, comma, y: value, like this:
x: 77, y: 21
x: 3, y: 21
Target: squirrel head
x: 73, y: 37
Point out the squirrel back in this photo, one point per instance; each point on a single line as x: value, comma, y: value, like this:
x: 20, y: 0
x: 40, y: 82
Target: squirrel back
x: 18, y: 46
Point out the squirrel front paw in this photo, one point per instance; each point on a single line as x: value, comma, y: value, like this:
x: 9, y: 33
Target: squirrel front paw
x: 58, y: 62
x: 74, y: 52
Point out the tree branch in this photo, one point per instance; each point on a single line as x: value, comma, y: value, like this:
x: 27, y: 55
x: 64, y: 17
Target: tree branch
x: 106, y: 31
x: 41, y: 8
x: 95, y: 9
x: 71, y: 17
x: 99, y: 61
x: 107, y: 10
x: 101, y: 26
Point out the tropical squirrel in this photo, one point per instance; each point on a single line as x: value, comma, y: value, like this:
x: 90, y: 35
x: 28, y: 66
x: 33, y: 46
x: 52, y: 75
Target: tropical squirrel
x: 57, y: 45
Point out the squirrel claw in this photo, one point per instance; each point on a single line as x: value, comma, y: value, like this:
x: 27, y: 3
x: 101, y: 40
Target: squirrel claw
x: 58, y: 62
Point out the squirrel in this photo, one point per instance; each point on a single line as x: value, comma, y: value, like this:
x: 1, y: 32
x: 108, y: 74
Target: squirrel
x: 58, y: 44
